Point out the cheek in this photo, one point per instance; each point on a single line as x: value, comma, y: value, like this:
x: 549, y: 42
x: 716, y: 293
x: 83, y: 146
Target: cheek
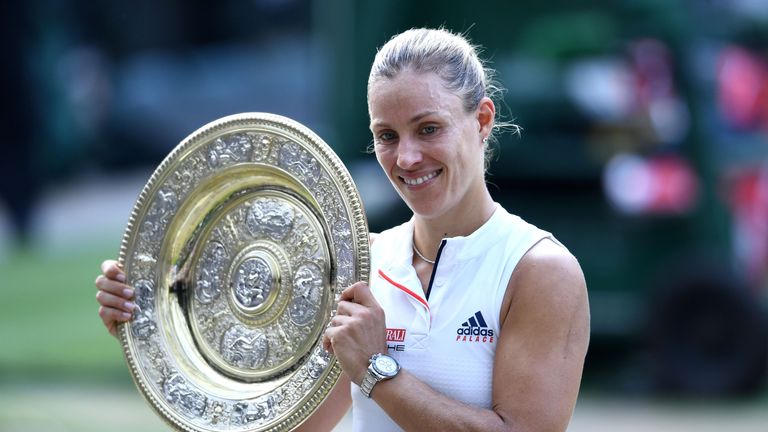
x: 384, y: 157
x: 472, y: 148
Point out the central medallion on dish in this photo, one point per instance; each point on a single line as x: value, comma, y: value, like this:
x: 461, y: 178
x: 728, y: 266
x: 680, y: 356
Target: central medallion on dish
x: 254, y: 281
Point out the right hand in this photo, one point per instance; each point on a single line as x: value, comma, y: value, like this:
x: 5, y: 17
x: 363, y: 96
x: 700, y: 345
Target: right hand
x: 114, y: 296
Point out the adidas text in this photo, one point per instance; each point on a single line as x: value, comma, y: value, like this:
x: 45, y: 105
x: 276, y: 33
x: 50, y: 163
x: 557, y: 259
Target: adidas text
x: 474, y: 331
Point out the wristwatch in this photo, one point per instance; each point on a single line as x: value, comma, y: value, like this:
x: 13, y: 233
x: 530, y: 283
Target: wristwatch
x: 380, y: 367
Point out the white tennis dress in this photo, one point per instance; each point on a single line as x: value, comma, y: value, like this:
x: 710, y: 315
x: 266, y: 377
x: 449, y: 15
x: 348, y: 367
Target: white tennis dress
x: 447, y: 339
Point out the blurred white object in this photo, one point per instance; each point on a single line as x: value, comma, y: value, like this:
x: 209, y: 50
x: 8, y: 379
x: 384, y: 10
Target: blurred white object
x: 603, y: 88
x: 661, y: 185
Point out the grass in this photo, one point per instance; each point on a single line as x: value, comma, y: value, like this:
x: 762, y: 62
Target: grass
x: 48, y: 315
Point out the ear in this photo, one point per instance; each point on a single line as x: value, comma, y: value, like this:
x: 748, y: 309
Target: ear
x: 486, y: 114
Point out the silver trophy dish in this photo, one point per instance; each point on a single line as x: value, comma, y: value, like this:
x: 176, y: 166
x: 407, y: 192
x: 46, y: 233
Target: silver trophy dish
x: 238, y: 247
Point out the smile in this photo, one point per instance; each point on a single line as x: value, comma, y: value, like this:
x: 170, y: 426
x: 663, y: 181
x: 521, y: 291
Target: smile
x: 422, y: 179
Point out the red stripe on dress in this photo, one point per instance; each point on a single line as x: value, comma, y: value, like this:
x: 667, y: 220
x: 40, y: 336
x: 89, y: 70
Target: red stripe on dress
x: 403, y: 288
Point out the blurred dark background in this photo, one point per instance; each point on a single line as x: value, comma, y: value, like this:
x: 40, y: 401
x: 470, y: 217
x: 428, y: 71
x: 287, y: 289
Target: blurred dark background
x: 644, y: 149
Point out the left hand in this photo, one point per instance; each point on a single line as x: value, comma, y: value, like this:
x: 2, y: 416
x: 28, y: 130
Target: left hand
x: 357, y: 331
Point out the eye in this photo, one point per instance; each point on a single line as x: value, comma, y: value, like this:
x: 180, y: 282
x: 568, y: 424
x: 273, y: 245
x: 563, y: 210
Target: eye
x: 385, y: 136
x: 429, y: 130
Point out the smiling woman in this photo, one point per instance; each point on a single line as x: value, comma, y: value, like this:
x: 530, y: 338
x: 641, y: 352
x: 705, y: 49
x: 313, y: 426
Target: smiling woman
x: 474, y: 320
x: 459, y: 261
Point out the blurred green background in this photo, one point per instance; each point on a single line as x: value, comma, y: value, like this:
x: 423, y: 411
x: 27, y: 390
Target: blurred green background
x: 644, y: 149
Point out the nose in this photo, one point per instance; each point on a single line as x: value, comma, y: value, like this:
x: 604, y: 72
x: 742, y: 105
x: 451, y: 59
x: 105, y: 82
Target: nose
x: 408, y: 153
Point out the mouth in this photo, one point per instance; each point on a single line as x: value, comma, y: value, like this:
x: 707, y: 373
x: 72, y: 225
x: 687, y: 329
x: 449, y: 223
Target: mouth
x: 420, y: 180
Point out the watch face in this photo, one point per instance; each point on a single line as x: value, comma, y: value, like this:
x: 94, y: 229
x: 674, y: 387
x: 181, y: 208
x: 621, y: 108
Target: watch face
x: 386, y: 365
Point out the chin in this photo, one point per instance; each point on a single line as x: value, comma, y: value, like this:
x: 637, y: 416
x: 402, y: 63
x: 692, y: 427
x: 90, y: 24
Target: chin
x: 426, y: 210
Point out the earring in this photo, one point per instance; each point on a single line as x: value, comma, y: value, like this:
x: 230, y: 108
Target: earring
x: 485, y: 140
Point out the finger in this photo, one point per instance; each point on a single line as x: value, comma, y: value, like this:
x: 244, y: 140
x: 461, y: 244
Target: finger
x: 111, y: 269
x: 349, y: 292
x: 116, y: 302
x: 114, y: 287
x: 112, y: 330
x: 327, y: 344
x: 349, y: 308
x: 340, y: 320
x: 359, y: 293
x: 111, y: 316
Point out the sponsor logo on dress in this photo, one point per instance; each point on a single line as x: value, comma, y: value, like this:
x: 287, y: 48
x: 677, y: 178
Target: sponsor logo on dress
x: 395, y: 335
x: 475, y: 329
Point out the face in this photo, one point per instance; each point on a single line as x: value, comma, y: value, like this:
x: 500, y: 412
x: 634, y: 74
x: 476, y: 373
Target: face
x: 429, y: 146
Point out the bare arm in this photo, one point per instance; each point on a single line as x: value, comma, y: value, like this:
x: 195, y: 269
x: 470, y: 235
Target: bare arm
x: 541, y: 356
x: 332, y: 410
x: 538, y: 362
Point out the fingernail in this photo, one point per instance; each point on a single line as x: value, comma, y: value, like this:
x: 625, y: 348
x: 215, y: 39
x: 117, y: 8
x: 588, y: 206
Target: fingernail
x: 129, y: 305
x: 127, y: 293
x: 120, y: 277
x: 125, y: 315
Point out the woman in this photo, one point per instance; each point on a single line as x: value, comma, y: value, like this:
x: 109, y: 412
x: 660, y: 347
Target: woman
x: 474, y: 320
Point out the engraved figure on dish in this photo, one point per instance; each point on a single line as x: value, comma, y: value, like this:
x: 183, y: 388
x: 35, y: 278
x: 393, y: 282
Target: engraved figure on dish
x: 252, y: 282
x: 144, y: 296
x: 262, y: 146
x: 162, y: 208
x: 143, y: 325
x: 299, y: 163
x: 208, y: 286
x: 177, y: 392
x: 225, y: 152
x: 307, y: 293
x: 244, y: 348
x: 302, y: 242
x: 269, y: 217
x: 326, y: 194
x: 317, y: 366
x: 164, y: 205
x: 238, y: 146
x: 259, y: 411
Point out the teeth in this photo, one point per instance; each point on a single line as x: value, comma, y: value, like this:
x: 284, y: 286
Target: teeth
x: 420, y: 180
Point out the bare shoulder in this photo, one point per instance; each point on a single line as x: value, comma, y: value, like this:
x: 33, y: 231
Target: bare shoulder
x: 547, y: 277
x: 549, y: 261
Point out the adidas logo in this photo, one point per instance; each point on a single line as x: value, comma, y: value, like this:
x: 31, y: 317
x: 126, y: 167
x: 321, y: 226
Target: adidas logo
x: 474, y: 329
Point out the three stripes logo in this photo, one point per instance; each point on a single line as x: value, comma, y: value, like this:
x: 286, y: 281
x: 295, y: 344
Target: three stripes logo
x: 474, y: 329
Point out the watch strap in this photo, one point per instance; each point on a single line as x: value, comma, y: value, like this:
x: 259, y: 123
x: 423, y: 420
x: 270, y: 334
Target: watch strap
x: 366, y: 385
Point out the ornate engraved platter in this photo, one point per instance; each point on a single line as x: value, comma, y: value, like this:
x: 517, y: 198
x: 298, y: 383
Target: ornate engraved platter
x: 238, y: 247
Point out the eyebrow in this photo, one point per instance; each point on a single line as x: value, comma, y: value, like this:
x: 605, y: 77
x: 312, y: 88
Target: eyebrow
x: 418, y: 117
x: 414, y: 119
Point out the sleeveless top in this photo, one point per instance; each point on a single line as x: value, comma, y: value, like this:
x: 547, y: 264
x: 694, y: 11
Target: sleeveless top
x: 449, y: 339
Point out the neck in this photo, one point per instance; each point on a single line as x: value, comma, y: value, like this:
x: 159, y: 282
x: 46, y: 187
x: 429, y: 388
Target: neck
x: 428, y: 232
